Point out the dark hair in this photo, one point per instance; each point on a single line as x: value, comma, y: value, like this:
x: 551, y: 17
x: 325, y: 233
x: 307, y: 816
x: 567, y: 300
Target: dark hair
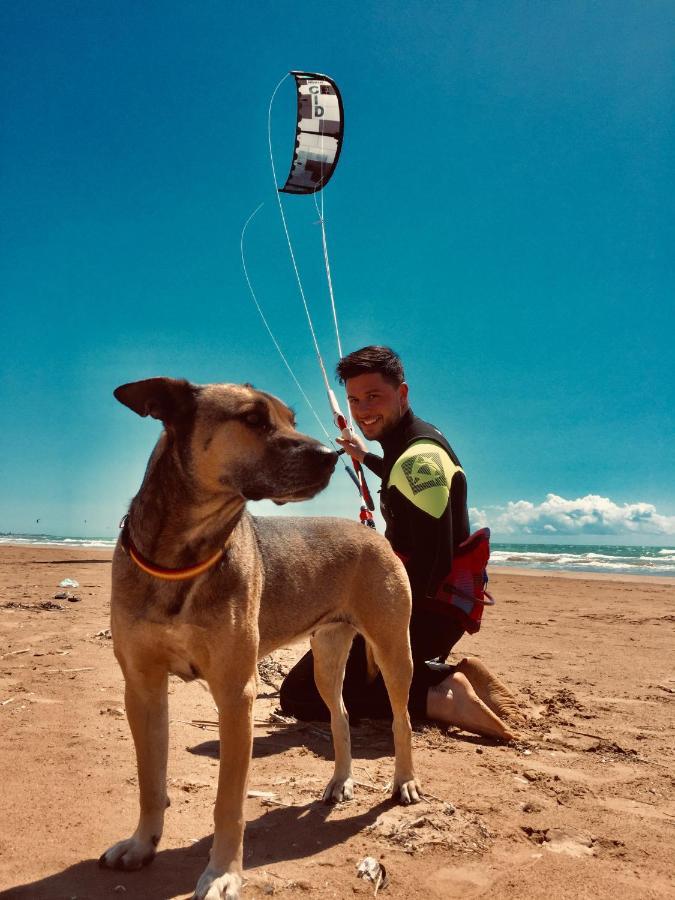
x: 372, y: 359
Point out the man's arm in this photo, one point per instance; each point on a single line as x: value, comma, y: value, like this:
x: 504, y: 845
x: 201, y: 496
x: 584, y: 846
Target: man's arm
x: 356, y: 449
x: 375, y: 463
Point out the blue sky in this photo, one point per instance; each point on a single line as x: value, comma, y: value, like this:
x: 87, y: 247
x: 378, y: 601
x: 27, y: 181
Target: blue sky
x: 502, y: 215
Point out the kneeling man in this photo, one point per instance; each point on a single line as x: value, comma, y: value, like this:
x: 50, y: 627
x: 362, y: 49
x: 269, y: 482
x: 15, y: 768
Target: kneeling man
x: 424, y: 504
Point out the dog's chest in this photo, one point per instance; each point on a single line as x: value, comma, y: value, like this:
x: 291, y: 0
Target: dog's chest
x: 181, y: 649
x: 185, y: 652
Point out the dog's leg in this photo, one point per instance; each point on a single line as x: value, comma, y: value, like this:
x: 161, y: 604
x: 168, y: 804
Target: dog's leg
x: 146, y: 703
x: 392, y: 655
x: 221, y: 880
x: 330, y: 646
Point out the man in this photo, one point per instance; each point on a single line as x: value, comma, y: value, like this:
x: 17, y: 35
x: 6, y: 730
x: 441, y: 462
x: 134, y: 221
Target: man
x: 423, y: 502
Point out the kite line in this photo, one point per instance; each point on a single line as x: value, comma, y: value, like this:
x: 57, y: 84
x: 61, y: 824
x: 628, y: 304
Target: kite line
x: 281, y: 352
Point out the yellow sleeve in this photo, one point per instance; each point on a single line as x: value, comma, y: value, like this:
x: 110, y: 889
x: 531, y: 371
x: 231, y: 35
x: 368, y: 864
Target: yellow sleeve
x: 423, y: 474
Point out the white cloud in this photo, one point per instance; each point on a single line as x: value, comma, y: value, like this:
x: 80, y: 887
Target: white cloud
x: 585, y: 515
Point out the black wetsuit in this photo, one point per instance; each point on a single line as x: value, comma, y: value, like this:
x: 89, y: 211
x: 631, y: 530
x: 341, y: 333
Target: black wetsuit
x: 425, y: 540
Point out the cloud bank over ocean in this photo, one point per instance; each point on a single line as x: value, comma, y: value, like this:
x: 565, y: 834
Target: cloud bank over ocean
x: 591, y: 514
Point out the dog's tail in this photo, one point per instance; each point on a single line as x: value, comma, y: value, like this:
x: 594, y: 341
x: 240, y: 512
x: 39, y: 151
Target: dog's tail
x: 372, y: 668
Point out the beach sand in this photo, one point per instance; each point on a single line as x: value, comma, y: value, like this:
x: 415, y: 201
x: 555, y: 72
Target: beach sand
x: 582, y: 806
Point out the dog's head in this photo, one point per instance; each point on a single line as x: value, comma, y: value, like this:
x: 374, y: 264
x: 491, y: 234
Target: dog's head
x: 232, y: 438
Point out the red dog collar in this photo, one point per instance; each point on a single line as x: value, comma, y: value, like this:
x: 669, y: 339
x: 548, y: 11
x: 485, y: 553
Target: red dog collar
x: 160, y: 571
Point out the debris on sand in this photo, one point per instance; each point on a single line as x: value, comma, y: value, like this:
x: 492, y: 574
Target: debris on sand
x: 271, y: 672
x: 664, y: 687
x: 369, y: 869
x: 189, y: 786
x: 438, y: 827
x: 43, y: 604
x: 605, y: 746
x: 562, y: 699
x: 204, y: 724
x: 277, y: 718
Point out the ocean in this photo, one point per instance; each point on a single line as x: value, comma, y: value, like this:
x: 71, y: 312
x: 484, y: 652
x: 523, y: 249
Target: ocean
x: 615, y: 559
x: 608, y: 559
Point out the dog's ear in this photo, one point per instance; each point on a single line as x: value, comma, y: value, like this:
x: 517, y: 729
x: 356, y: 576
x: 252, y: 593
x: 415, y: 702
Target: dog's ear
x: 167, y: 399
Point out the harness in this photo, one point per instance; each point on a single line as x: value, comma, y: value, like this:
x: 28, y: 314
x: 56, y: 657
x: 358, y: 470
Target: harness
x: 464, y: 588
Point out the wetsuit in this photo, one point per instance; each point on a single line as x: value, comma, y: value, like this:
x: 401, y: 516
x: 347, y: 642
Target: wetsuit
x: 423, y: 502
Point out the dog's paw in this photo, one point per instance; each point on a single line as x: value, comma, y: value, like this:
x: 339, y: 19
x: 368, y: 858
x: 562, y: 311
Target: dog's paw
x: 129, y: 855
x: 338, y: 790
x: 212, y: 886
x: 408, y: 792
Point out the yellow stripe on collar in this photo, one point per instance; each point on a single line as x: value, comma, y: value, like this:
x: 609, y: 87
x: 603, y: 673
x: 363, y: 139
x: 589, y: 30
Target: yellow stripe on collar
x: 172, y: 574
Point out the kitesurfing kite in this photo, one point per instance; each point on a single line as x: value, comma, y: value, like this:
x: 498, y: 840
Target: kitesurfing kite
x: 319, y: 134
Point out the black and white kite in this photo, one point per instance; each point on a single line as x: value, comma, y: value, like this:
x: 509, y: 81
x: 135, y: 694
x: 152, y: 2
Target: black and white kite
x: 319, y: 136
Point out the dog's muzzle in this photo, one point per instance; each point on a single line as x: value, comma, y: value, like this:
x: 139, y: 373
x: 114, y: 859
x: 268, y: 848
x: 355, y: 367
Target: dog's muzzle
x: 293, y: 470
x: 315, y: 457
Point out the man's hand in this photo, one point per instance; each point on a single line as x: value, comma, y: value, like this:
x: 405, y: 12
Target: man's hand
x: 353, y: 446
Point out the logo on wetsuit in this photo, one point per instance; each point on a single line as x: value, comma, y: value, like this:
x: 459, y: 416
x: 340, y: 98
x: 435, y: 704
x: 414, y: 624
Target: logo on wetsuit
x: 425, y: 470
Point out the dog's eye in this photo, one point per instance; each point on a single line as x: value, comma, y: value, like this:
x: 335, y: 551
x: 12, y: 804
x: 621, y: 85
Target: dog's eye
x: 256, y: 420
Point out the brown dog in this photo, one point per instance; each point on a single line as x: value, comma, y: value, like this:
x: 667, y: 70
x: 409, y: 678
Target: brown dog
x: 201, y: 589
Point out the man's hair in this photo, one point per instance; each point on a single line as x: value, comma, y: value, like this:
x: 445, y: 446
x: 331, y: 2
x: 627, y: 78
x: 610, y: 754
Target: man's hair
x: 372, y: 359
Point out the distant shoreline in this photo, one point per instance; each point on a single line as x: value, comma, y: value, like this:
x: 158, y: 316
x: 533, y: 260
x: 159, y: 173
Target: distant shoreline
x: 641, y: 578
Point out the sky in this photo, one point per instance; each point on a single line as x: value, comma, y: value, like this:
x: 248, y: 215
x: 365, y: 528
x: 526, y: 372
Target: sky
x: 503, y: 215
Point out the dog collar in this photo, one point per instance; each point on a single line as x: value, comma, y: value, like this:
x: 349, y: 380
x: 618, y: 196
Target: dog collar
x: 160, y: 571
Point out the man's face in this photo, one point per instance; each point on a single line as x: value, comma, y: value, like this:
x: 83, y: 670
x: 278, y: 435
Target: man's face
x: 376, y: 405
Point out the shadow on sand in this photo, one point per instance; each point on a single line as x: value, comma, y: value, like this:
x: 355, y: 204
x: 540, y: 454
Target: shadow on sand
x: 278, y: 834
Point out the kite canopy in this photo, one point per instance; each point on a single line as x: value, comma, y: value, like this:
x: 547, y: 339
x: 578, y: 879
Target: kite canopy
x: 319, y: 136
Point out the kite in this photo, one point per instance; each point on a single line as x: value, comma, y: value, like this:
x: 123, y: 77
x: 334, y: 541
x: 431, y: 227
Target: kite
x: 319, y: 134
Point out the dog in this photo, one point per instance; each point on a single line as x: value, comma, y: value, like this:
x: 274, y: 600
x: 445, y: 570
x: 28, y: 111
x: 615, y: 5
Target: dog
x: 202, y: 589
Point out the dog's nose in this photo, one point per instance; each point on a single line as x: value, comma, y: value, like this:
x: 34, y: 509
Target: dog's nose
x: 327, y: 456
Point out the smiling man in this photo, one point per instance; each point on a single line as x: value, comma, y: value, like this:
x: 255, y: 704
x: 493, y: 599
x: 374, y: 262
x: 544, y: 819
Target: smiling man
x: 423, y: 499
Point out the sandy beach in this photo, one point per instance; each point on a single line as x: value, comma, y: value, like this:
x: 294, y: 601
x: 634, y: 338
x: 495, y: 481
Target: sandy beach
x: 582, y: 806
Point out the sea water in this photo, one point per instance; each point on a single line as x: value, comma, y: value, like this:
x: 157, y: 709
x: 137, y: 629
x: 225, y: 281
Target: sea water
x: 615, y: 559
x: 52, y: 540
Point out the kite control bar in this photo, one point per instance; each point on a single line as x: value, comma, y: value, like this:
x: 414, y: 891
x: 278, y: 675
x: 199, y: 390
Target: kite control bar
x: 348, y: 435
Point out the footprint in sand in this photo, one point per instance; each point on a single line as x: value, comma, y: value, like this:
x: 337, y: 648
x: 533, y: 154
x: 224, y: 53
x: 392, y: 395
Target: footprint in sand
x: 559, y: 840
x: 577, y: 845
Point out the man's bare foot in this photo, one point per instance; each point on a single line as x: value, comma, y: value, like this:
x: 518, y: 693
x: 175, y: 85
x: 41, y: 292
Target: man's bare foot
x: 455, y: 702
x: 491, y: 690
